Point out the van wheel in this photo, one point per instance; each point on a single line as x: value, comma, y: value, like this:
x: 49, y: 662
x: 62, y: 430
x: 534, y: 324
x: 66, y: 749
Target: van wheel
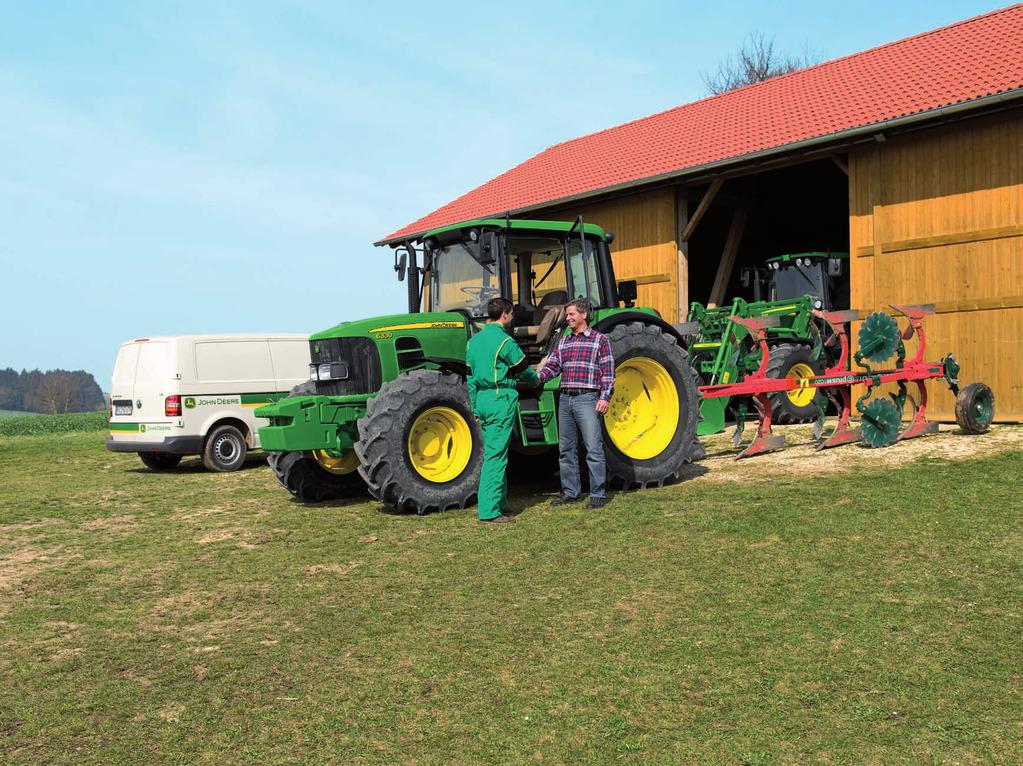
x: 159, y: 461
x: 224, y: 449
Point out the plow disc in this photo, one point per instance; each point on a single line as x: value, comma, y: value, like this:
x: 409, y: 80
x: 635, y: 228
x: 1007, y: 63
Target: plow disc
x: 880, y: 416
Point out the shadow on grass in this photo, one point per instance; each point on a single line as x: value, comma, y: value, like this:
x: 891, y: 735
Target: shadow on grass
x: 195, y: 466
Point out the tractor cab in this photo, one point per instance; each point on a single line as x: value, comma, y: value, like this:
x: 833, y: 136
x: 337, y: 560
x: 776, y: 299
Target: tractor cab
x: 824, y: 276
x: 538, y: 265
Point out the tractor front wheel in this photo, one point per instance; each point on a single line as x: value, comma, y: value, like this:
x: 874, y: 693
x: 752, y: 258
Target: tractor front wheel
x: 313, y: 477
x: 419, y: 448
x: 794, y: 360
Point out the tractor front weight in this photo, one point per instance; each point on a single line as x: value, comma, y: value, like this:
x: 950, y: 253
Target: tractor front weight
x: 880, y: 416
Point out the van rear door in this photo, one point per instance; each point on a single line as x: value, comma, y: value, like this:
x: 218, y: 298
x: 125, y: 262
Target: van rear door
x: 122, y: 383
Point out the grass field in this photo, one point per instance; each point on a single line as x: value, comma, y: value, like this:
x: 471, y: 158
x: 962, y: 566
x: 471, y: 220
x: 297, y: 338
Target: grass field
x: 15, y: 414
x: 35, y: 424
x: 852, y: 607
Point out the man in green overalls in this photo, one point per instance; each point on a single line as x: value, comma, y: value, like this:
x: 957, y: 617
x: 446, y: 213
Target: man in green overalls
x: 495, y: 363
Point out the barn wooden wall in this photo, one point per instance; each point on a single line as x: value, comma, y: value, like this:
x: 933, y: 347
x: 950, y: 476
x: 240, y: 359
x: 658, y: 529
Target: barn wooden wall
x: 936, y: 216
x: 644, y: 248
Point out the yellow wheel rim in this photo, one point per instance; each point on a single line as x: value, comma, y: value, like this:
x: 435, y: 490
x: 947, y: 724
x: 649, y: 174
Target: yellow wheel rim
x: 440, y: 444
x: 801, y: 397
x: 644, y: 411
x: 340, y: 466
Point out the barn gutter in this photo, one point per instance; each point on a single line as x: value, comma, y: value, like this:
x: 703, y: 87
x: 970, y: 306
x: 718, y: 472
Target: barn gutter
x: 863, y: 131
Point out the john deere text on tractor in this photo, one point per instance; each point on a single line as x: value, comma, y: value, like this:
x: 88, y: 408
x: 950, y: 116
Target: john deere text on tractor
x: 386, y: 408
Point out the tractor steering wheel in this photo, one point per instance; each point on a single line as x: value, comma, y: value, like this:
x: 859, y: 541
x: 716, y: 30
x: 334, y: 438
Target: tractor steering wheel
x: 481, y: 295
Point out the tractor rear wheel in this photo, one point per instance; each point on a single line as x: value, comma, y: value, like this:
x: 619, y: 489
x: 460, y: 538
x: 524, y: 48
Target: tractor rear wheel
x: 312, y: 477
x: 975, y: 408
x: 794, y: 360
x: 650, y: 425
x: 420, y: 448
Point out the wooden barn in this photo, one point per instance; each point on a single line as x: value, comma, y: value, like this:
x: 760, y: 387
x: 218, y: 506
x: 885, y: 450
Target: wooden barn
x: 908, y: 156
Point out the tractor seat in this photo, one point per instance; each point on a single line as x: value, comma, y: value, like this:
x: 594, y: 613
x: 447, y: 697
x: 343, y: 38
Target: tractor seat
x: 553, y: 298
x: 552, y: 320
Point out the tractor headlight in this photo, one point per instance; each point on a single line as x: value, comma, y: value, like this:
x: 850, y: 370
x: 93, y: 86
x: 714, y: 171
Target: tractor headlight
x: 332, y: 371
x: 312, y: 372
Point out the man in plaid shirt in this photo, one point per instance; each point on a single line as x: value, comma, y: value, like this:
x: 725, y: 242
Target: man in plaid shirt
x: 587, y: 368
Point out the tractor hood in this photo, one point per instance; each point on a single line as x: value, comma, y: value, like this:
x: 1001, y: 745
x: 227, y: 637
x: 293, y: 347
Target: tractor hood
x: 379, y: 327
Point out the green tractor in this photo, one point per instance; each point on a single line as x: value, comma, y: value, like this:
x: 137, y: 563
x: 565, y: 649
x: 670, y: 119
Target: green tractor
x: 386, y: 409
x: 789, y: 287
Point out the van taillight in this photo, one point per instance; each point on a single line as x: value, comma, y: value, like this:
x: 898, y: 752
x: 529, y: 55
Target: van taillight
x: 172, y: 406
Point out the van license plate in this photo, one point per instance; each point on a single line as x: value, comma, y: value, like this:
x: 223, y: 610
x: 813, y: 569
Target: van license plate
x: 122, y: 409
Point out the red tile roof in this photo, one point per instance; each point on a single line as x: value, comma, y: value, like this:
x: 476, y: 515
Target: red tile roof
x: 962, y: 62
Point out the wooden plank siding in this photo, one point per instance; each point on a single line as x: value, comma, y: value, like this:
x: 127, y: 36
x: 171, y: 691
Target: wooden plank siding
x: 936, y: 216
x: 644, y: 247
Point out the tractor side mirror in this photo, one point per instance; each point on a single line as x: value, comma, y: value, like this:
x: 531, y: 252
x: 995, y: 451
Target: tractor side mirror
x: 627, y: 292
x: 488, y: 248
x: 835, y: 267
x: 746, y: 276
x: 401, y: 264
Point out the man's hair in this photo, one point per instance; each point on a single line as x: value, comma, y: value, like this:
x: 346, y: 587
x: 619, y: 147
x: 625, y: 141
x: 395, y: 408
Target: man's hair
x: 582, y: 306
x: 498, y: 306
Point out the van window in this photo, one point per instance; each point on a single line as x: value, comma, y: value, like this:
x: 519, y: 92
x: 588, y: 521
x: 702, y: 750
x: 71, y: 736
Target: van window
x: 155, y: 363
x: 291, y: 359
x: 226, y: 360
x: 124, y: 369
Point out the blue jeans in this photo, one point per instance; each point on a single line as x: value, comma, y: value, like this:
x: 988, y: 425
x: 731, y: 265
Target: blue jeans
x: 578, y: 414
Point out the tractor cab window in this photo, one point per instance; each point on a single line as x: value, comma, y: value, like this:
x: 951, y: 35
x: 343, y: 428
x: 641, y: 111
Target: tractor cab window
x: 794, y: 280
x: 582, y: 265
x: 458, y: 282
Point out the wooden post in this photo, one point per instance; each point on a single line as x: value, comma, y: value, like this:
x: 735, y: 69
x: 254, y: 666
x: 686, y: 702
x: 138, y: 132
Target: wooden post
x: 717, y: 293
x: 682, y: 256
x: 841, y: 165
x: 708, y: 197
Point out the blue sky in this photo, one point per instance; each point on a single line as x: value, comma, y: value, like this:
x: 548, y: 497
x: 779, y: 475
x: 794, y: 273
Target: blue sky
x: 225, y: 167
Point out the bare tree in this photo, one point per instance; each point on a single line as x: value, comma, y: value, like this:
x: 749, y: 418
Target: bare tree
x: 56, y: 391
x: 755, y: 61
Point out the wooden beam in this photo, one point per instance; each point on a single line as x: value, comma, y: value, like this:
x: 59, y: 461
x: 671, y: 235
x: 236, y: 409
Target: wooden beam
x: 717, y: 293
x: 708, y: 197
x: 840, y: 162
x: 682, y: 255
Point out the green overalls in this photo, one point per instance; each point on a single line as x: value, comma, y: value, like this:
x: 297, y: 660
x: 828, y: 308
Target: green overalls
x: 495, y: 363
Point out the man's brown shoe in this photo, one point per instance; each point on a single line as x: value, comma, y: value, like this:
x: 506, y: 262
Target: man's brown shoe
x: 502, y: 519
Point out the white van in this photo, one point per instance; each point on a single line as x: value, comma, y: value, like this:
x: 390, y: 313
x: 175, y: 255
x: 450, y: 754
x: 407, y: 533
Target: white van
x: 195, y: 395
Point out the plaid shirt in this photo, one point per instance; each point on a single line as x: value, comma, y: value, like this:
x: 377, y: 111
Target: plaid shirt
x: 583, y: 360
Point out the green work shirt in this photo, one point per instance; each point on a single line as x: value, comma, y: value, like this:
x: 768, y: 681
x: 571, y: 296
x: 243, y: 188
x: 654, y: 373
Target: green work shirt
x: 495, y: 361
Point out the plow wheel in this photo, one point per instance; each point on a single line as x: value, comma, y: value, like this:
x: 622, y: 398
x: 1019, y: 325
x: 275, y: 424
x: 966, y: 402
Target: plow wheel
x: 793, y: 360
x: 650, y: 425
x: 975, y: 408
x: 312, y: 477
x: 880, y: 423
x: 419, y: 447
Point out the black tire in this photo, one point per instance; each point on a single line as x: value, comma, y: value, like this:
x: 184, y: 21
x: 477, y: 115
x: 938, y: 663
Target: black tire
x: 784, y: 357
x: 975, y: 408
x: 159, y: 461
x: 636, y: 339
x: 384, y: 461
x: 303, y: 476
x: 224, y: 449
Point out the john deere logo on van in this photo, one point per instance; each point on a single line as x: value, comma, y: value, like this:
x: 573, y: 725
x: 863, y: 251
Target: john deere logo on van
x: 189, y: 403
x: 142, y: 428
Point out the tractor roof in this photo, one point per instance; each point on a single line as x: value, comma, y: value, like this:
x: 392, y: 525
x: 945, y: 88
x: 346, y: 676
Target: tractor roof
x: 559, y: 227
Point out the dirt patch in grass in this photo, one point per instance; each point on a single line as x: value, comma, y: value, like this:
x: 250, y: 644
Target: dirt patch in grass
x: 122, y: 523
x: 334, y: 569
x: 948, y: 444
x: 18, y: 567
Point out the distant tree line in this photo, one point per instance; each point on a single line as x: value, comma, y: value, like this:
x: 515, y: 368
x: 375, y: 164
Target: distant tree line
x: 50, y: 392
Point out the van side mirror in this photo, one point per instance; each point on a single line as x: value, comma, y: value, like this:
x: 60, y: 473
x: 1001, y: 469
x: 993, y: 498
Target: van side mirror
x: 400, y: 264
x: 627, y: 292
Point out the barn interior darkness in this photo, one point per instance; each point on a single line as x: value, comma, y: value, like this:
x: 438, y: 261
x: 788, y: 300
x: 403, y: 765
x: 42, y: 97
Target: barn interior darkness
x: 799, y: 208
